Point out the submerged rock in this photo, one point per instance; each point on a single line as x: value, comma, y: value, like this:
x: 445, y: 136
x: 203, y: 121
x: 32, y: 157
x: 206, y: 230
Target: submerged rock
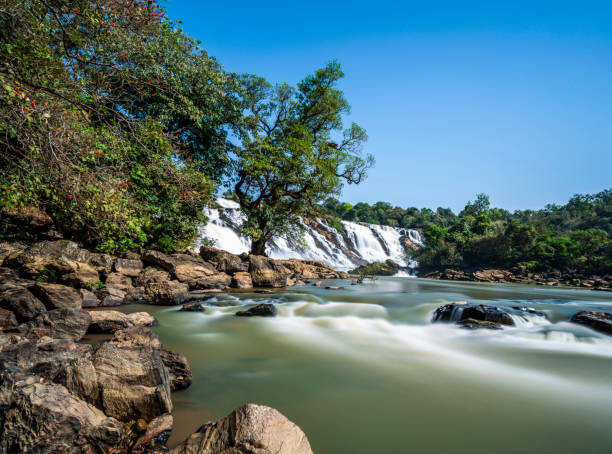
x: 470, y: 323
x: 599, y: 321
x: 253, y: 429
x: 260, y: 310
x: 193, y: 307
x: 461, y: 310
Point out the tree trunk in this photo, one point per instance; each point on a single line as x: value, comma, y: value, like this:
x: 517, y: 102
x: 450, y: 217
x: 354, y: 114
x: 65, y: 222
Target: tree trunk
x: 259, y: 247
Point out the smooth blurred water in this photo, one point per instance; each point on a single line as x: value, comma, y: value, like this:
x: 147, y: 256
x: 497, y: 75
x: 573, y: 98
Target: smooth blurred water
x: 363, y: 369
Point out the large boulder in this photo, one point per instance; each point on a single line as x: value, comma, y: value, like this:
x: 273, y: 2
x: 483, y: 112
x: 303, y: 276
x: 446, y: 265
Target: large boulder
x: 241, y: 279
x: 253, y: 429
x: 179, y: 371
x: 62, y: 323
x: 82, y: 275
x: 107, y: 322
x: 36, y: 416
x: 214, y: 281
x: 224, y: 261
x: 133, y: 381
x: 129, y: 267
x: 57, y: 296
x: 599, y: 321
x: 160, y: 289
x: 115, y: 290
x: 266, y: 272
x: 461, y: 310
x: 88, y: 298
x: 21, y: 302
x: 184, y: 267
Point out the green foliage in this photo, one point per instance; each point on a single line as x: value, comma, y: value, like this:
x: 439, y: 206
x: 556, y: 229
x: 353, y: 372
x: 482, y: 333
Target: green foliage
x: 575, y: 236
x: 111, y: 120
x: 293, y: 152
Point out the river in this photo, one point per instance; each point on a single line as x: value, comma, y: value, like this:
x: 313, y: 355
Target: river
x: 363, y: 369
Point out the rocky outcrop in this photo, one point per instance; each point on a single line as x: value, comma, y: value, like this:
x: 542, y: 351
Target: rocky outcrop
x: 252, y: 428
x: 36, y: 416
x: 224, y: 261
x: 520, y: 276
x: 260, y: 310
x: 472, y: 315
x: 388, y: 268
x: 160, y: 289
x: 107, y: 322
x: 599, y: 321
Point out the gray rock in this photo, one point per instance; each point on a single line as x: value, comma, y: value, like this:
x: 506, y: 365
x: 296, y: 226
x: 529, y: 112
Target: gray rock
x: 127, y: 267
x: 599, y: 321
x: 260, y: 310
x: 56, y: 296
x: 60, y: 324
x: 21, y: 302
x: 253, y: 429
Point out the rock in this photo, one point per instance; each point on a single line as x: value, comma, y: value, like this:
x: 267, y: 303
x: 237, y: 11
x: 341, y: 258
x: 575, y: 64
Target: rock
x: 334, y: 287
x: 106, y: 322
x: 529, y: 310
x: 115, y: 290
x: 41, y: 417
x: 471, y: 323
x: 103, y: 263
x: 13, y: 247
x: 252, y: 428
x: 241, y: 279
x: 56, y: 296
x: 45, y: 258
x: 184, y: 267
x: 317, y: 284
x: 62, y: 323
x: 599, y: 321
x: 133, y: 382
x: 156, y: 435
x: 388, y: 268
x: 8, y: 321
x: 127, y: 267
x: 159, y: 289
x: 266, y: 272
x: 136, y: 336
x: 193, y: 307
x: 88, y: 298
x: 461, y: 310
x: 261, y: 310
x: 178, y: 369
x: 20, y: 302
x: 215, y: 281
x: 223, y: 261
x: 82, y: 275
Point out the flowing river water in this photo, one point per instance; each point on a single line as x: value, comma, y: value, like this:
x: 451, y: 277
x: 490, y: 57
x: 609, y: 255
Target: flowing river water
x: 363, y: 369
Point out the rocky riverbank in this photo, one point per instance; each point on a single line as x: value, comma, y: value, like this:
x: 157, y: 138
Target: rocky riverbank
x: 58, y: 394
x: 520, y: 276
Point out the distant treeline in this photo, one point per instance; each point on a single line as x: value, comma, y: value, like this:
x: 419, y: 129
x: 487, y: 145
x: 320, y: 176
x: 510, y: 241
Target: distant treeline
x: 571, y: 237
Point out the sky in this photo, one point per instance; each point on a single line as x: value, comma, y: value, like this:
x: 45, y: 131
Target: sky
x: 509, y: 98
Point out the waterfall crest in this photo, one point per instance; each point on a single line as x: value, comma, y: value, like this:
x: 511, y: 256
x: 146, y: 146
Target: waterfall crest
x: 360, y: 243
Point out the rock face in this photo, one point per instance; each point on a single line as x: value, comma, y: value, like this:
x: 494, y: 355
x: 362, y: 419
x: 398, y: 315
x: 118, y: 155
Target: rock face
x: 261, y: 310
x: 241, y: 279
x: 471, y: 315
x: 249, y: 429
x: 44, y: 417
x: 599, y: 321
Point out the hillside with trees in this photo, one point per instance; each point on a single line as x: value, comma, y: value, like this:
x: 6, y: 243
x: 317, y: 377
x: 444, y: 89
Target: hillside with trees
x: 576, y: 236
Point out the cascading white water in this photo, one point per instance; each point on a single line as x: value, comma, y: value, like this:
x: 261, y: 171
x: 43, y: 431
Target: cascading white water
x: 361, y: 242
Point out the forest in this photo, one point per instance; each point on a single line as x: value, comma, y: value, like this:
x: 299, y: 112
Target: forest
x: 575, y: 236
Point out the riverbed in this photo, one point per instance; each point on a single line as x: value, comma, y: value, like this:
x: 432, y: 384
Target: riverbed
x: 363, y: 370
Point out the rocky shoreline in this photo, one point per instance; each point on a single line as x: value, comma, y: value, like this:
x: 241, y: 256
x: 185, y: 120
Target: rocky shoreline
x: 519, y: 276
x: 58, y: 394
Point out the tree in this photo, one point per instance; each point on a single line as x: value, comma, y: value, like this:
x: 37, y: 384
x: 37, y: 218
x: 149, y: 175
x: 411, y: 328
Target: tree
x: 293, y: 152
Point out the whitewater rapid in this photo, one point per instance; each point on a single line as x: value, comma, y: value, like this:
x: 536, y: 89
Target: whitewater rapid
x: 360, y: 243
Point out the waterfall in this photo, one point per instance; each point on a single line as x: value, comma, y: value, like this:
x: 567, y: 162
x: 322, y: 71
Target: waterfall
x: 360, y: 243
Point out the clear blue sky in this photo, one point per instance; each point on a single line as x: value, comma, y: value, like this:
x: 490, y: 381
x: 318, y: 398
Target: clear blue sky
x: 510, y: 98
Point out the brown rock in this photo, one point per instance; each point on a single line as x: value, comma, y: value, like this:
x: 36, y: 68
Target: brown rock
x: 56, y: 296
x: 252, y: 428
x: 8, y: 322
x: 159, y: 289
x: 82, y: 275
x: 110, y: 321
x: 60, y: 324
x: 184, y: 267
x: 136, y: 336
x: 214, y: 281
x: 45, y: 417
x: 223, y: 261
x: 88, y: 298
x: 178, y: 369
x: 133, y: 382
x: 241, y: 280
x: 127, y: 267
x: 20, y: 302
